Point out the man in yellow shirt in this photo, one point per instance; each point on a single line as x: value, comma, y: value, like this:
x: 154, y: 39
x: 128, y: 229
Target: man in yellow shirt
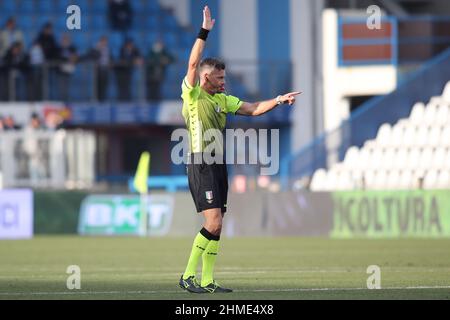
x: 205, y: 106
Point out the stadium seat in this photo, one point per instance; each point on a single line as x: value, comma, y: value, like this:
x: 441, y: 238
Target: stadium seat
x: 97, y: 22
x: 384, y: 134
x: 443, y: 179
x: 392, y: 180
x: 409, y: 136
x: 375, y: 160
x: 413, y: 159
x: 364, y: 156
x: 397, y: 135
x: 102, y: 7
x: 445, y: 136
x: 8, y: 8
x: 369, y: 179
x: 26, y: 22
x: 417, y: 113
x: 438, y: 160
x: 345, y: 181
x: 49, y: 6
x: 401, y: 157
x: 430, y: 180
x: 430, y: 114
x: 26, y: 6
x: 418, y: 177
x: 333, y: 176
x: 447, y: 159
x: 405, y: 181
x: 351, y: 157
x: 421, y: 136
x: 318, y: 180
x: 170, y: 39
x: 379, y: 181
x: 388, y: 158
x: 442, y: 116
x: 446, y: 92
x: 426, y: 158
x: 434, y: 136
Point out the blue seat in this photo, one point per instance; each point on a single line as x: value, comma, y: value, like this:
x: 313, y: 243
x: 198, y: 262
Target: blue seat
x: 99, y: 7
x: 82, y: 41
x: 62, y: 5
x: 150, y: 38
x: 152, y: 6
x: 151, y: 22
x: 170, y: 39
x: 25, y: 22
x: 169, y: 22
x: 40, y: 20
x: 98, y: 22
x: 26, y: 6
x: 46, y: 6
x: 61, y: 23
x: 8, y: 8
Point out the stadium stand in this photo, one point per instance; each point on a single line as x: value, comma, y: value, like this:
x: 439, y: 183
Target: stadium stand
x: 149, y: 19
x: 413, y: 153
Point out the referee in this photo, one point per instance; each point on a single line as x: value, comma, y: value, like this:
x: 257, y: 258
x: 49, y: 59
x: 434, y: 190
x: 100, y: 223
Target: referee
x: 205, y: 106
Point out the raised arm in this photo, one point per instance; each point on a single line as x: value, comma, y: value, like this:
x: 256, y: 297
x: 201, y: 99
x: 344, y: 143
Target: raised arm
x: 261, y: 107
x: 199, y: 45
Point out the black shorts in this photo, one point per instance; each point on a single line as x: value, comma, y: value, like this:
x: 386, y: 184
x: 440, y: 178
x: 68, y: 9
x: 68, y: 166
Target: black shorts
x: 209, y: 185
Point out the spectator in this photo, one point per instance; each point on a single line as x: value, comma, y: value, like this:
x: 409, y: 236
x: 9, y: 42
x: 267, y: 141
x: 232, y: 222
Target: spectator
x: 159, y: 58
x: 129, y: 56
x: 10, y: 124
x: 34, y: 155
x: 9, y: 36
x: 54, y: 121
x: 120, y: 15
x: 3, y: 81
x: 2, y: 127
x: 67, y: 57
x: 35, y: 82
x: 17, y: 66
x: 48, y: 42
x: 101, y: 55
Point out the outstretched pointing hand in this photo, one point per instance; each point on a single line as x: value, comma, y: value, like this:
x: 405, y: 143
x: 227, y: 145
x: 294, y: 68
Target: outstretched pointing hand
x: 208, y: 23
x: 289, y: 97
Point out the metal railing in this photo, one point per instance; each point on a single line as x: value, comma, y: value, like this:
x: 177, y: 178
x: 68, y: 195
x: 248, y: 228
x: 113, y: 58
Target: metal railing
x: 89, y: 82
x: 47, y: 159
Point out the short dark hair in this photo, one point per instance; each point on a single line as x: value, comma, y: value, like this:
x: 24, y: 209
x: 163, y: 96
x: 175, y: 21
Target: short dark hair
x: 213, y: 63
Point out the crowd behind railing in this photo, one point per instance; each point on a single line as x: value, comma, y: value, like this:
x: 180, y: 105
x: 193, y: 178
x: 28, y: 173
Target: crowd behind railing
x: 25, y: 74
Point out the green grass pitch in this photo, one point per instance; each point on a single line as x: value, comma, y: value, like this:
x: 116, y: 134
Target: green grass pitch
x: 257, y: 268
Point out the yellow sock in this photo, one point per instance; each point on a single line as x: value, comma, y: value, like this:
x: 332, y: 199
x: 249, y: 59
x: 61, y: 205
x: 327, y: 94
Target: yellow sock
x: 209, y: 259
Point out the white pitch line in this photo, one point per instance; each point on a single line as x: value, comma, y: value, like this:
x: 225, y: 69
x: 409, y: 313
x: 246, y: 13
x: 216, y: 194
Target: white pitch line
x: 236, y: 291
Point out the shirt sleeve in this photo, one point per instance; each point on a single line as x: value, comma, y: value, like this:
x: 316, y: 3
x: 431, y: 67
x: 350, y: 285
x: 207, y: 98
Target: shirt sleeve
x: 233, y: 104
x: 189, y: 94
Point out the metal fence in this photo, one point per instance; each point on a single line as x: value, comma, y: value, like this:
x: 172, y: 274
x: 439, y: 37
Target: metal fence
x: 89, y: 82
x: 47, y: 159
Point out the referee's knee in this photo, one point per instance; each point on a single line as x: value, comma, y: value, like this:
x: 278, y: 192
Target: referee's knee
x: 214, y: 227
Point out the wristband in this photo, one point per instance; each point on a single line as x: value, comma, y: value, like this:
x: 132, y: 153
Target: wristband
x: 203, y: 34
x: 279, y: 100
